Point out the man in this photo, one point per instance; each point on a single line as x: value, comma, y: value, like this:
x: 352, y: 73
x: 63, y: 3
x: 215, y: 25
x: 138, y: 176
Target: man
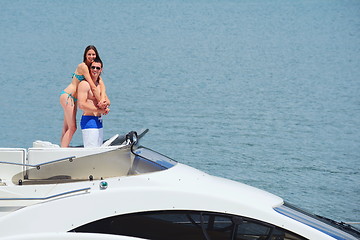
x: 91, y: 121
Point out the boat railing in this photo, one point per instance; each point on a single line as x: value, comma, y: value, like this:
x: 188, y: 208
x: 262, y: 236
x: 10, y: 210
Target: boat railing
x: 85, y: 190
x: 40, y: 164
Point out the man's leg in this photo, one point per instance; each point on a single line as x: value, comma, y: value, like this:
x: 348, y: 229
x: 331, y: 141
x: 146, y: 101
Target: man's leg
x: 92, y: 137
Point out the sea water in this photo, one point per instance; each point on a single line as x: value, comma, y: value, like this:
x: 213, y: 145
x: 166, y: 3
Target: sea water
x: 262, y: 92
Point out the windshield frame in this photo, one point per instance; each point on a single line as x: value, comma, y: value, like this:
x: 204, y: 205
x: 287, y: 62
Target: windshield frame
x: 147, y: 160
x: 340, y: 231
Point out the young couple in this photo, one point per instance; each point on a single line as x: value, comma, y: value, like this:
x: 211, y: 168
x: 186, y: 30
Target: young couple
x: 87, y: 90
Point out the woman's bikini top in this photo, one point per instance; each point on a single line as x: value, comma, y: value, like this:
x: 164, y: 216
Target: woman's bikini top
x: 79, y: 77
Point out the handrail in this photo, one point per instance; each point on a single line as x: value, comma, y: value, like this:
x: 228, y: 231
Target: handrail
x: 49, y: 197
x: 40, y: 164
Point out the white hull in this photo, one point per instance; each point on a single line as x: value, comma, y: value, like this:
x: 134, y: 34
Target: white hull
x: 104, y: 183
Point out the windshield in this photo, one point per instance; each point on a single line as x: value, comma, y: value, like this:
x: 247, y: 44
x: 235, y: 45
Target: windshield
x: 330, y: 227
x: 147, y: 160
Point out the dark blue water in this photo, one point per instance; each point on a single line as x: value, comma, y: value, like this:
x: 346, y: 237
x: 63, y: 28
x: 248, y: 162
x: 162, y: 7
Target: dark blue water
x: 262, y: 92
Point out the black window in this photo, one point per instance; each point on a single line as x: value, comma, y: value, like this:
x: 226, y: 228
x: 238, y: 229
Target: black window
x: 252, y: 230
x: 190, y: 225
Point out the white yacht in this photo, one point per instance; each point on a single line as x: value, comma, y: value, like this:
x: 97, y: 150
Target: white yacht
x: 123, y: 190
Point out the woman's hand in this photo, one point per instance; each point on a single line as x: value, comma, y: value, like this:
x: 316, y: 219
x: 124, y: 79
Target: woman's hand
x: 103, y: 104
x: 105, y: 111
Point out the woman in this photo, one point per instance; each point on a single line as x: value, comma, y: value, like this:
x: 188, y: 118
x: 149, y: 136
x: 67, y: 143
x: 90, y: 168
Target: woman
x: 69, y: 94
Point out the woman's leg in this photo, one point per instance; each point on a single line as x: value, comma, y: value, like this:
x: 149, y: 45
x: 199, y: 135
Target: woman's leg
x: 69, y: 126
x: 64, y: 129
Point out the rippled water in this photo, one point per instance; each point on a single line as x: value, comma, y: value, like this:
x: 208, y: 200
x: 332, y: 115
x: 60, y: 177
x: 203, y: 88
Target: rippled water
x: 262, y: 92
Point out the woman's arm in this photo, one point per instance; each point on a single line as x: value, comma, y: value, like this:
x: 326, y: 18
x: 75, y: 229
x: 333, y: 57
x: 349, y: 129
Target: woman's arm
x: 84, y: 70
x: 103, y: 89
x: 104, y: 98
x: 83, y: 96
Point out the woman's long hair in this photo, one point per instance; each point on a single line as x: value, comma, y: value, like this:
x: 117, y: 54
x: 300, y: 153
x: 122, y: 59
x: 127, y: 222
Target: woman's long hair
x: 93, y: 48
